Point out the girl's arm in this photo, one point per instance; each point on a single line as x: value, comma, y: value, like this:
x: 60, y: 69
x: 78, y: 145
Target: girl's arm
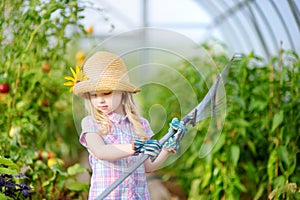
x: 151, y: 166
x: 107, y: 152
x: 113, y: 152
x: 117, y: 151
x: 171, y: 145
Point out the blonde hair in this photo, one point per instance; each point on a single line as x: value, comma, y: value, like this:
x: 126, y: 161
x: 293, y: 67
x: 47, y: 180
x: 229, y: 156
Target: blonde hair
x: 130, y: 110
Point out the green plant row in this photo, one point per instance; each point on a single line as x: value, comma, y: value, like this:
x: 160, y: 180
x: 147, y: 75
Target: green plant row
x: 257, y: 154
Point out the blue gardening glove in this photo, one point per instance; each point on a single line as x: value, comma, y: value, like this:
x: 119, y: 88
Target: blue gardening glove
x: 149, y: 147
x: 172, y: 144
x: 137, y: 146
x: 152, y: 148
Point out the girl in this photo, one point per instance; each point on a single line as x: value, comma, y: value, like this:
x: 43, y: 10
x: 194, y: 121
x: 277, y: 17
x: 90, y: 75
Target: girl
x: 114, y: 133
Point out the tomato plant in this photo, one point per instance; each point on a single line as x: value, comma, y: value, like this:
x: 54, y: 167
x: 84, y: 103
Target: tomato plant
x: 36, y: 127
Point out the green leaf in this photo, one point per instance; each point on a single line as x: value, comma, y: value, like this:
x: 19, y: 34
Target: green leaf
x: 4, y: 197
x: 195, y: 187
x: 251, y: 146
x: 234, y: 154
x: 257, y: 105
x: 277, y: 120
x: 272, y: 165
x: 293, y: 165
x: 76, y: 169
x: 260, y: 191
x: 55, y: 168
x: 240, y: 122
x: 279, y: 182
x: 240, y: 186
x: 9, y: 164
x: 207, y: 175
x: 8, y: 171
x: 47, y: 182
x: 284, y: 155
x: 250, y: 55
x: 77, y: 186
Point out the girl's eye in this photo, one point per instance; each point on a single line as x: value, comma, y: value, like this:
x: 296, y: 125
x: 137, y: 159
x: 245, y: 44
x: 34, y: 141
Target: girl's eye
x: 107, y: 93
x: 93, y: 95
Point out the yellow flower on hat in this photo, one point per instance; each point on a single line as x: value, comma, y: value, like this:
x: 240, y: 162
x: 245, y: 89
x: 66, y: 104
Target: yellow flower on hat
x: 77, y: 77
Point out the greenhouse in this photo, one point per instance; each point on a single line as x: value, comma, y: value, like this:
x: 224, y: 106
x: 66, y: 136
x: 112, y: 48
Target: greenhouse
x: 188, y: 99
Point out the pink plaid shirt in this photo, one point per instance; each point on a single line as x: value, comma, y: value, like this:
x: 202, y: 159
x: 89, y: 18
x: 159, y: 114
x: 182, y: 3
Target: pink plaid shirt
x: 104, y: 173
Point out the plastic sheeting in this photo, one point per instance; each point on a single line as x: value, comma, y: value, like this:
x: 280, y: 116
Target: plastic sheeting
x: 243, y: 25
x: 256, y: 25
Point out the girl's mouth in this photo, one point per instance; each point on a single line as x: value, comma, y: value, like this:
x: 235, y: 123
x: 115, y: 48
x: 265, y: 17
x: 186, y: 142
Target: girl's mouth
x: 103, y: 107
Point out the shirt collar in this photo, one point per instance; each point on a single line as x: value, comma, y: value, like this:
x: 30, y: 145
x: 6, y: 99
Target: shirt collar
x: 115, y: 117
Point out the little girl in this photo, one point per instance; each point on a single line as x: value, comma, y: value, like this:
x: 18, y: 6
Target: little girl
x: 114, y: 133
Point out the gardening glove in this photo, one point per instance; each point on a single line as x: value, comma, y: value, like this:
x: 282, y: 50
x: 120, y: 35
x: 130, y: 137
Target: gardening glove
x: 172, y: 144
x: 152, y: 148
x: 137, y: 146
x: 149, y: 147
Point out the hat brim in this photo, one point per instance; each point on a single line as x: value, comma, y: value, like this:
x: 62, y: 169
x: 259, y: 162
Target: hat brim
x: 104, y: 84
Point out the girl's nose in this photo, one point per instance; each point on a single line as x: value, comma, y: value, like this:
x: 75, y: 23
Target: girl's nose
x: 101, y: 99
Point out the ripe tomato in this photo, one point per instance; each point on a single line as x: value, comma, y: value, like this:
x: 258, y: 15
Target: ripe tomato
x: 4, y: 88
x: 46, y: 68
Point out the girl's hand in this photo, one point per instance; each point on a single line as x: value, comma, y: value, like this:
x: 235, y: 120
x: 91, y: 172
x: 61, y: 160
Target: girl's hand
x: 172, y: 144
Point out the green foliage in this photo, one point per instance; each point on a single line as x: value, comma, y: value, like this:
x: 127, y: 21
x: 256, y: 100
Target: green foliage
x: 257, y: 154
x: 8, y: 167
x: 36, y: 126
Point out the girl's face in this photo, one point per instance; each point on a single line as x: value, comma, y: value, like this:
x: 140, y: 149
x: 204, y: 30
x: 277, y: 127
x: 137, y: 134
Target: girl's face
x: 107, y: 101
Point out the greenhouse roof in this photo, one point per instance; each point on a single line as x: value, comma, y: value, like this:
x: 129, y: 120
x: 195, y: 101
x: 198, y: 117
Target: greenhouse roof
x: 243, y: 25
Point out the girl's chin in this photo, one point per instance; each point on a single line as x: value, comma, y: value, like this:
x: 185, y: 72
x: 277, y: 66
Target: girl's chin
x: 105, y: 111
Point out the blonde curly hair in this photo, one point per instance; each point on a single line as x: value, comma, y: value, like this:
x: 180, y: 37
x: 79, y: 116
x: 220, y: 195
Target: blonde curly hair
x: 130, y: 110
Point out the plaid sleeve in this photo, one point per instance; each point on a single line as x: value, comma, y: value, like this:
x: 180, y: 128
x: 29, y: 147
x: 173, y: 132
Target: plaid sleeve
x: 147, y: 128
x: 88, y: 125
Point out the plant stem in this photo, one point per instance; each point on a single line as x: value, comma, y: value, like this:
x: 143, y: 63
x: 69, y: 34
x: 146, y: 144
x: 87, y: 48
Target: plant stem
x: 34, y: 32
x: 15, y: 95
x: 278, y: 103
x: 53, y: 189
x: 271, y: 80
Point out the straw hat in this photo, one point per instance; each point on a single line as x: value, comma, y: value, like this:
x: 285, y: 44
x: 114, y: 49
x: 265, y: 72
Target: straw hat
x: 104, y: 71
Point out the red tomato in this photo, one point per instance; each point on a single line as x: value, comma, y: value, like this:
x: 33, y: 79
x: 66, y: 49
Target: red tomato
x: 4, y: 88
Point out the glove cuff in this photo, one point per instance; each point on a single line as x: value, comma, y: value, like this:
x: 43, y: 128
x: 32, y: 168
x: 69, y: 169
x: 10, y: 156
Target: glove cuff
x: 137, y: 146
